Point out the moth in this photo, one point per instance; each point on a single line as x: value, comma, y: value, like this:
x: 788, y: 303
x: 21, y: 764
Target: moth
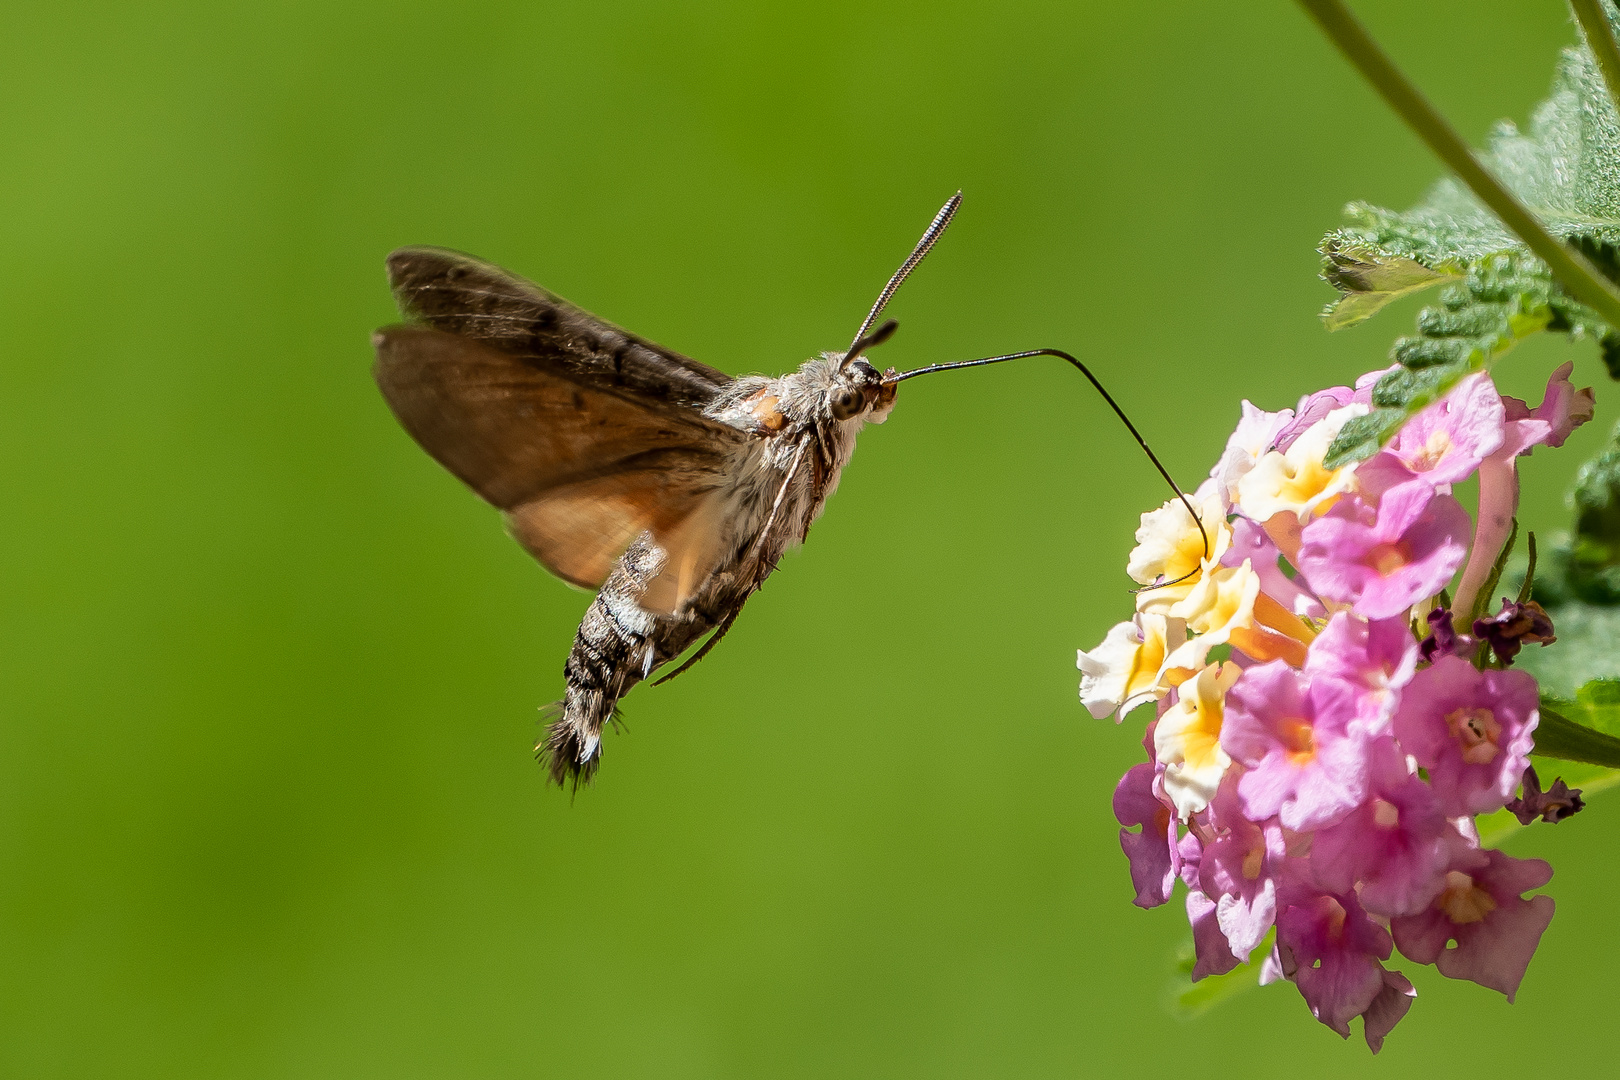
x: 670, y: 488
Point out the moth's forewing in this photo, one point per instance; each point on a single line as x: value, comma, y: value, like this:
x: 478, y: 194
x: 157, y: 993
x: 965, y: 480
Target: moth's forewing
x: 458, y: 293
x: 580, y: 470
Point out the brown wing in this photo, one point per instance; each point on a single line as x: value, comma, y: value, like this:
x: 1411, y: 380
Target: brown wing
x: 464, y: 295
x: 580, y: 469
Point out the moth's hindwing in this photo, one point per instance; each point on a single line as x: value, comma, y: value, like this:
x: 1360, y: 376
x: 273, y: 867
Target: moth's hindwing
x: 580, y: 466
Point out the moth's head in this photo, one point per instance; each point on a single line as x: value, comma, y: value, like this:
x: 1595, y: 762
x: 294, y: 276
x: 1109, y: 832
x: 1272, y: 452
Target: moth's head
x: 857, y: 392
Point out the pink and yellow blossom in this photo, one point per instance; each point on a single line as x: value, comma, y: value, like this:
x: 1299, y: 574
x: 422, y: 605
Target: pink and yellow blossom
x: 1321, y: 783
x: 1382, y: 560
x: 1187, y: 739
x: 1305, y: 758
x: 1127, y: 669
x: 1482, y: 909
x: 1295, y: 481
x: 1471, y: 730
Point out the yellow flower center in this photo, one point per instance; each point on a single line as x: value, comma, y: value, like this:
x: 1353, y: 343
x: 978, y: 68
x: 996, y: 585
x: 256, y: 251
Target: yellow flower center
x: 1463, y: 901
x: 1385, y: 814
x: 1149, y: 658
x: 1201, y: 738
x: 1252, y: 862
x: 1296, y: 481
x: 1436, y: 448
x: 1476, y: 731
x: 1299, y: 741
x: 1335, y: 920
x: 1388, y: 558
x: 1188, y: 739
x: 1303, y: 482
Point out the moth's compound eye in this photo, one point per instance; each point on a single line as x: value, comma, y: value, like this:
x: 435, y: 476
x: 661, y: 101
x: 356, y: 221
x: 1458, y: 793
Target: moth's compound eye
x: 846, y: 403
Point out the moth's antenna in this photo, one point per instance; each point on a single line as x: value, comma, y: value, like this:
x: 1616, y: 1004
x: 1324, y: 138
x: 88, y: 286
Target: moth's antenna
x: 935, y: 229
x: 890, y: 380
x: 875, y: 338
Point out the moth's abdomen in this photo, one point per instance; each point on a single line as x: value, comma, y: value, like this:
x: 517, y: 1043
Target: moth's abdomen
x: 611, y: 653
x: 617, y: 646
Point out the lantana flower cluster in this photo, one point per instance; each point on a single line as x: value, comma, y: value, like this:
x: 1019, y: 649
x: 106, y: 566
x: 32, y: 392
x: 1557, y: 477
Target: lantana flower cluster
x: 1327, y: 726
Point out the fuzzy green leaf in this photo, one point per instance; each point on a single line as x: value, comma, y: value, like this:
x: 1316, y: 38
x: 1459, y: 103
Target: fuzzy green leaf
x: 1566, y: 169
x: 1369, y: 280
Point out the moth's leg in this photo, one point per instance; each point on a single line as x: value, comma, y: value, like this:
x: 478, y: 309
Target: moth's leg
x: 714, y: 639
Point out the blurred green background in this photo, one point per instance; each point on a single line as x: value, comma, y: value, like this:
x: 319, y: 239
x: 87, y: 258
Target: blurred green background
x: 270, y: 676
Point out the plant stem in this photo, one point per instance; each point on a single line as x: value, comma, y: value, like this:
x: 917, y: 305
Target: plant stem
x: 1600, y: 38
x: 1529, y: 586
x: 1578, y: 276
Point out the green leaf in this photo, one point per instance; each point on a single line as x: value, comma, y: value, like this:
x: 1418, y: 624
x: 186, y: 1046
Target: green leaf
x: 1566, y: 168
x: 1369, y: 280
x: 1557, y: 736
x: 1361, y: 436
x: 1189, y: 1000
x: 1595, y: 555
x: 1596, y: 705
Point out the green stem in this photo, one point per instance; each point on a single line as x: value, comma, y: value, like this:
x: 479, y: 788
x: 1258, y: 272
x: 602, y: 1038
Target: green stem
x: 1559, y: 737
x: 1529, y: 586
x: 1578, y: 276
x: 1600, y: 38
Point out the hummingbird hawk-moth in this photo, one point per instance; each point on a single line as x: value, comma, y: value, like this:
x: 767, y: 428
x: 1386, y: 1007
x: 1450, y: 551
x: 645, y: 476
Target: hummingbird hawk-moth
x: 669, y: 487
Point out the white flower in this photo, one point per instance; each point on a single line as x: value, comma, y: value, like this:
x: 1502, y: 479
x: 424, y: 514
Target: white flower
x: 1170, y: 546
x: 1126, y: 669
x: 1187, y: 740
x: 1255, y: 433
x: 1296, y: 482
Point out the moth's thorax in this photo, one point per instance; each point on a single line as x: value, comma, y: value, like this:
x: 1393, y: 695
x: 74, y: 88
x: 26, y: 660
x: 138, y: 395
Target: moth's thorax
x: 823, y: 393
x: 804, y: 425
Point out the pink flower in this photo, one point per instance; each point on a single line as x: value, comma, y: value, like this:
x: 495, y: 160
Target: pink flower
x: 1396, y: 845
x: 1387, y: 1009
x: 1251, y: 541
x: 1213, y: 955
x: 1384, y: 563
x: 1306, y: 763
x: 1562, y: 410
x: 1238, y: 868
x: 1483, y: 910
x: 1332, y: 952
x: 1320, y: 791
x: 1472, y: 730
x: 1312, y: 407
x: 1152, y: 851
x: 1445, y: 442
x: 1379, y: 657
